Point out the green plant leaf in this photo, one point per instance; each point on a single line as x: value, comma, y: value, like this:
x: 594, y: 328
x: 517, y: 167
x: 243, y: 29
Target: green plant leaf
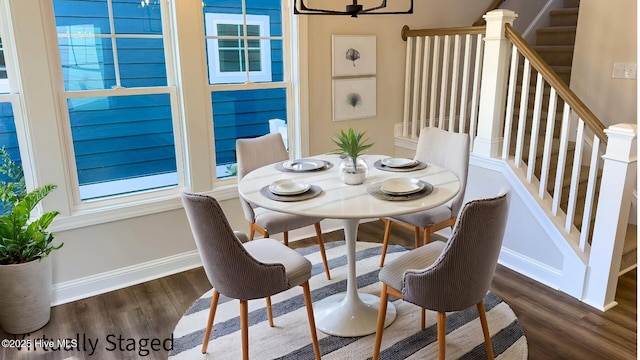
x: 23, y: 239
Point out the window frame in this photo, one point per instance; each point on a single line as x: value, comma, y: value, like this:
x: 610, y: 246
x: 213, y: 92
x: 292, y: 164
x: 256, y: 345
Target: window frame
x: 4, y: 82
x: 216, y: 75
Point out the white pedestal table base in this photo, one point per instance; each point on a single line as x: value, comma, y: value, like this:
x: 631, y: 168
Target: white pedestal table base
x: 350, y: 314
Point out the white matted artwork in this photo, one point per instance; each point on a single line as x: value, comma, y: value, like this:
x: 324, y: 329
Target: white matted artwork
x: 354, y: 98
x: 354, y: 55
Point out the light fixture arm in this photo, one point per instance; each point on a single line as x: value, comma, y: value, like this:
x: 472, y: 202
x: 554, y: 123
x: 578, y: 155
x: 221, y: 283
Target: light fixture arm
x: 354, y: 9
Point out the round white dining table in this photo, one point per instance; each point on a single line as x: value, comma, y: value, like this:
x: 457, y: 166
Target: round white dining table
x: 351, y: 313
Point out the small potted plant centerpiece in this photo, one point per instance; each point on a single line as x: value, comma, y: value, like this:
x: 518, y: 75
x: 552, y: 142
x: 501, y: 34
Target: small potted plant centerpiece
x: 353, y: 169
x: 25, y: 243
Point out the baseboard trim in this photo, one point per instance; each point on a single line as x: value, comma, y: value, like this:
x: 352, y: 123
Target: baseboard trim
x: 599, y: 306
x: 531, y: 268
x: 101, y: 283
x: 87, y: 286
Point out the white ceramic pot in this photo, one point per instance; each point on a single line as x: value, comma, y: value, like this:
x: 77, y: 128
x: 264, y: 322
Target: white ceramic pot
x: 353, y: 175
x: 25, y: 298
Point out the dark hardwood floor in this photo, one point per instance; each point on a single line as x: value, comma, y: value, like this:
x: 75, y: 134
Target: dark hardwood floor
x: 556, y: 325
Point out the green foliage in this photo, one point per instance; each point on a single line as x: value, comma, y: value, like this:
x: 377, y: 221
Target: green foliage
x: 22, y: 239
x: 351, y: 144
x: 232, y: 169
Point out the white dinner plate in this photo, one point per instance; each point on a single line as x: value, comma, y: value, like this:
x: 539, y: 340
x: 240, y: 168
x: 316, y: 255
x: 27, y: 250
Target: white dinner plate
x: 303, y: 164
x: 288, y: 187
x: 398, y: 162
x: 401, y: 186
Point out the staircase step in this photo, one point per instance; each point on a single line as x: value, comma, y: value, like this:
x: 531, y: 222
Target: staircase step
x: 555, y: 149
x: 531, y: 99
x: 556, y: 35
x: 563, y: 71
x: 561, y: 55
x: 564, y: 17
x: 571, y: 3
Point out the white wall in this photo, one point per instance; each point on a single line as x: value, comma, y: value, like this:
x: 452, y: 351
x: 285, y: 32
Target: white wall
x: 527, y: 11
x: 523, y: 234
x: 390, y: 66
x: 607, y: 33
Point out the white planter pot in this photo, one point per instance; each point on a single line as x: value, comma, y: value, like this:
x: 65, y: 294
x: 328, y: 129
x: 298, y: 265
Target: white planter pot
x: 25, y: 298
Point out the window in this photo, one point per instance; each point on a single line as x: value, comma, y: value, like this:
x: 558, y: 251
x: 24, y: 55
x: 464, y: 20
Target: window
x: 231, y: 55
x: 108, y: 123
x: 118, y: 100
x: 4, y: 82
x: 9, y: 110
x: 247, y: 62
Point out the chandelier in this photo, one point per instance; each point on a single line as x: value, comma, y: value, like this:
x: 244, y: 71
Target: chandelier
x: 354, y: 9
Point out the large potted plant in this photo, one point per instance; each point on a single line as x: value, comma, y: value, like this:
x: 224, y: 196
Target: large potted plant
x: 353, y: 170
x: 25, y: 245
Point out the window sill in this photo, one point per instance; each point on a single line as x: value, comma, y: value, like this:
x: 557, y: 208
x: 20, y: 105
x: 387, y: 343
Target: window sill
x: 102, y: 215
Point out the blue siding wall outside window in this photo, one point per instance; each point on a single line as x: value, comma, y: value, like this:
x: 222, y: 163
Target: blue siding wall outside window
x: 243, y: 114
x: 8, y: 137
x: 118, y: 137
x: 88, y: 59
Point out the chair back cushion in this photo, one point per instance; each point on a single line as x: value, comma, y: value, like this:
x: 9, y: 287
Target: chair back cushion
x: 462, y: 274
x: 254, y: 153
x: 260, y: 151
x: 230, y: 268
x: 448, y: 150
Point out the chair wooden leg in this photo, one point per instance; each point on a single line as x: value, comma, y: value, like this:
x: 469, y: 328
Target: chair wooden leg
x: 485, y: 329
x: 442, y: 331
x: 212, y: 314
x: 427, y: 235
x: 244, y: 328
x: 286, y: 237
x: 385, y: 240
x: 252, y: 231
x: 322, y: 252
x: 269, y: 311
x: 382, y: 314
x: 312, y: 321
x: 416, y: 237
x: 423, y: 319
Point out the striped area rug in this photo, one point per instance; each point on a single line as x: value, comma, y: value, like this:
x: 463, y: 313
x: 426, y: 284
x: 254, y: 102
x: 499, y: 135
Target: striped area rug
x: 291, y: 339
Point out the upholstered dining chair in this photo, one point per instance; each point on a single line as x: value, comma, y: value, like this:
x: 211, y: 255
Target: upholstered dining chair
x: 449, y: 276
x: 244, y: 271
x: 257, y: 152
x: 445, y: 149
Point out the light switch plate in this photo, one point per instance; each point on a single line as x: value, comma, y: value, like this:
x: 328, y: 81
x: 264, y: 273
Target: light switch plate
x: 624, y: 71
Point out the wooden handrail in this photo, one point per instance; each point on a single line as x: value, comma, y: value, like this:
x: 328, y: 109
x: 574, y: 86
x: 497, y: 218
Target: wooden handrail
x: 494, y: 5
x: 406, y: 32
x: 554, y: 80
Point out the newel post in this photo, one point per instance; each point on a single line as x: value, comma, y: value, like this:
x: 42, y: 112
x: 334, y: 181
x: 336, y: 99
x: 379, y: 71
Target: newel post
x: 493, y: 89
x: 614, y: 202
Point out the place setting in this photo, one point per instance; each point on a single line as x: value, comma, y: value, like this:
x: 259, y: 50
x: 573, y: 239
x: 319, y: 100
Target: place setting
x: 400, y: 189
x: 303, y: 165
x: 399, y: 164
x: 290, y: 190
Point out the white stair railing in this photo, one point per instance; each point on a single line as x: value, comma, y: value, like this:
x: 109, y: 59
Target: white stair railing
x: 575, y: 207
x: 442, y: 79
x: 548, y: 137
